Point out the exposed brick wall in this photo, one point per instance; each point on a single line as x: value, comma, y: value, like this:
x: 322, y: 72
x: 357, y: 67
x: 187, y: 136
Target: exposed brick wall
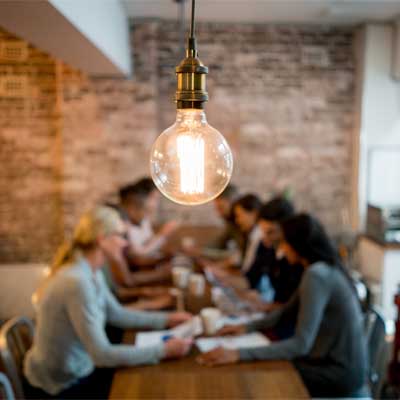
x: 283, y: 97
x: 29, y: 195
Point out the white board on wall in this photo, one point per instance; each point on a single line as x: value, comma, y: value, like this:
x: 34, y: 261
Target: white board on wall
x: 384, y: 176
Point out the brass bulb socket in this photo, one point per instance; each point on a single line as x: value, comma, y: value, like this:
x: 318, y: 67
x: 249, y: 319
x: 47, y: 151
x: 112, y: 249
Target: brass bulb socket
x: 191, y: 83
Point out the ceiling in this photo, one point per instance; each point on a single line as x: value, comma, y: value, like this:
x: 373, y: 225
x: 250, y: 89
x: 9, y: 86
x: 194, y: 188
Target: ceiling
x: 261, y: 11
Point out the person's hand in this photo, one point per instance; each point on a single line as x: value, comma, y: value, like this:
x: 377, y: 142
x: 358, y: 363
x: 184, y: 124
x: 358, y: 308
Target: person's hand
x: 231, y: 330
x: 219, y: 356
x: 112, y: 247
x: 202, y: 262
x: 168, y: 228
x: 177, y: 348
x: 249, y: 295
x: 191, y: 251
x: 177, y: 318
x: 219, y: 273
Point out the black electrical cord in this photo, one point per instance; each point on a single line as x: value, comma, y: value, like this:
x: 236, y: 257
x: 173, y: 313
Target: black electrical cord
x: 192, y: 21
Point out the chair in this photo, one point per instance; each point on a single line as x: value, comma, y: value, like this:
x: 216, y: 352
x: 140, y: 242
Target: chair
x: 377, y: 349
x: 16, y: 337
x: 6, y: 391
x: 363, y: 290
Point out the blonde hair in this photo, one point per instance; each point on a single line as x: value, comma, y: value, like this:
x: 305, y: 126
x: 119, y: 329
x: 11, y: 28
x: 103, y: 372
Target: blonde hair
x: 101, y: 221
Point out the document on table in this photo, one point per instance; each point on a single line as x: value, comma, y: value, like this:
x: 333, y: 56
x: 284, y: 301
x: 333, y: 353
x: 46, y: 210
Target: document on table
x: 194, y: 328
x: 242, y: 319
x: 232, y: 342
x: 188, y: 329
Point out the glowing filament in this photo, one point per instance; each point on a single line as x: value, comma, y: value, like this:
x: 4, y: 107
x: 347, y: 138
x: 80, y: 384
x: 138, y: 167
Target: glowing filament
x: 191, y: 164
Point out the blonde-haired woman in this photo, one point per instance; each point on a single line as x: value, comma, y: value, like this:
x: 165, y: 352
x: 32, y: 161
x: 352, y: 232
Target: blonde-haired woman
x: 71, y: 349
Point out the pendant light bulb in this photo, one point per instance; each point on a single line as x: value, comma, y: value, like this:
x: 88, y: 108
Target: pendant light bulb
x: 191, y: 162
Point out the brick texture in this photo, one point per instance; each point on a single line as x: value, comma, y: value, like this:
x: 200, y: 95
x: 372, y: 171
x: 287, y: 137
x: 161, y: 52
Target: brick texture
x: 283, y: 96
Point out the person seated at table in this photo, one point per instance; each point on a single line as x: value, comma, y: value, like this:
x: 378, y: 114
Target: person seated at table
x: 73, y: 305
x: 328, y: 347
x: 231, y: 237
x: 139, y: 203
x: 271, y: 275
x: 142, y: 261
x: 245, y: 211
x: 228, y: 247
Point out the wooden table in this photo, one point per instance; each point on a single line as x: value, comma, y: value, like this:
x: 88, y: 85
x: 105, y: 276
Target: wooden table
x: 184, y: 379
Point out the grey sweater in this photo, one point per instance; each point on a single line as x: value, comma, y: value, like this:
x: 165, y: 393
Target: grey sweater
x: 329, y: 329
x: 70, y: 338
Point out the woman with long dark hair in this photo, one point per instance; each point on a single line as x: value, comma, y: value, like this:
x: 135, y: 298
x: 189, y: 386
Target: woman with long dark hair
x: 328, y: 347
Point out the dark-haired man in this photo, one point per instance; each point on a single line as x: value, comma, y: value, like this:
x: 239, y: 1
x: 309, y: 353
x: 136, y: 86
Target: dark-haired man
x: 231, y: 236
x: 139, y: 204
x: 143, y: 262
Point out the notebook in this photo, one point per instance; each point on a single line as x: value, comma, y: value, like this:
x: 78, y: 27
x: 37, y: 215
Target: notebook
x: 249, y: 340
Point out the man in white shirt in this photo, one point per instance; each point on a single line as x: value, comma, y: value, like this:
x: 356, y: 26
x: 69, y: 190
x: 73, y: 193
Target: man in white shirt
x: 143, y: 261
x: 139, y: 204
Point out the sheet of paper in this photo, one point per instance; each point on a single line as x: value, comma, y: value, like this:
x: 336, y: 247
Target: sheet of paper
x: 232, y: 342
x: 188, y: 329
x: 145, y: 339
x: 242, y: 319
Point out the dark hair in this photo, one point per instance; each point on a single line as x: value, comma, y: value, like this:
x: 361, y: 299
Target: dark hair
x: 137, y: 191
x: 229, y: 193
x: 277, y: 210
x: 249, y: 202
x: 308, y: 238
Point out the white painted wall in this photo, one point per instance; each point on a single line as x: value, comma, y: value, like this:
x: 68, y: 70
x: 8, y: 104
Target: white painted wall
x: 18, y: 282
x: 104, y: 23
x: 92, y: 35
x: 380, y: 119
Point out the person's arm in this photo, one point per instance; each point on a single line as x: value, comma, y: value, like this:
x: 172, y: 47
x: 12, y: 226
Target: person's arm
x: 126, y: 278
x: 155, y: 275
x: 314, y: 295
x: 120, y: 272
x: 83, y: 313
x: 125, y: 318
x: 130, y: 294
x: 153, y: 244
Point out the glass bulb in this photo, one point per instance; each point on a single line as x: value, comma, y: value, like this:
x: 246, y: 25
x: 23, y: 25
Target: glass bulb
x: 191, y: 162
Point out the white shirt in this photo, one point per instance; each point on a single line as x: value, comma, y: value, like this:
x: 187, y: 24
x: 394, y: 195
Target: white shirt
x: 142, y: 239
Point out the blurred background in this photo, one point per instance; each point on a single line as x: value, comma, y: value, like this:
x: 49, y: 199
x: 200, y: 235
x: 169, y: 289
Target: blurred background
x: 306, y: 92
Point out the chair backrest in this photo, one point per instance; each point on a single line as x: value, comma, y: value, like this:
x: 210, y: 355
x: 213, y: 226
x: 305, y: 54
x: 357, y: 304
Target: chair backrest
x: 6, y: 392
x: 377, y: 348
x: 16, y: 338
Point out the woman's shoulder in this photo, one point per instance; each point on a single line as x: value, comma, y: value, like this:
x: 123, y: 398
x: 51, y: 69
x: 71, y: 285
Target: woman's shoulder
x: 72, y: 278
x: 320, y: 271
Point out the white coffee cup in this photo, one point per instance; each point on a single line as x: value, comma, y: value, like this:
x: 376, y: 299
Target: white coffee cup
x: 210, y: 318
x: 180, y: 276
x: 216, y: 295
x: 197, y: 284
